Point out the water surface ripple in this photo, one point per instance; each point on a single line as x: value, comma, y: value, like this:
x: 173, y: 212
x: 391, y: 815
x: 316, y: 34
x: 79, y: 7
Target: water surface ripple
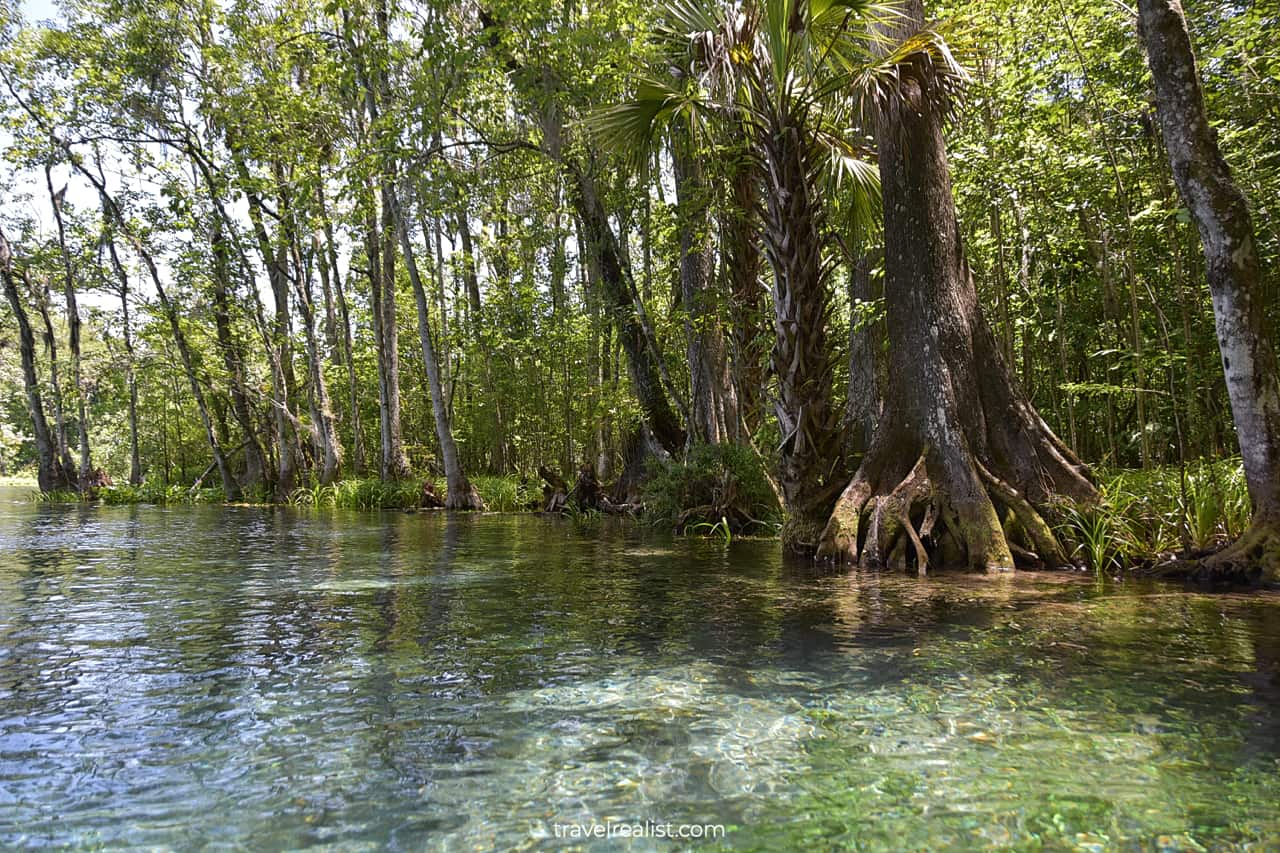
x: 235, y: 678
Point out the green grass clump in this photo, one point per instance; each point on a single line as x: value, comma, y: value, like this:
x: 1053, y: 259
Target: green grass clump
x: 60, y: 496
x: 505, y: 494
x: 1147, y: 514
x: 146, y: 493
x: 708, y: 475
x: 157, y: 493
x: 372, y: 494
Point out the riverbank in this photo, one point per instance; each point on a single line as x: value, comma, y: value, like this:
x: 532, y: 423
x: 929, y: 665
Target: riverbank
x: 1145, y: 518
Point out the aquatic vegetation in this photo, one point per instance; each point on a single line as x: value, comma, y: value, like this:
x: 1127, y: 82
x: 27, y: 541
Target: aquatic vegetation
x: 720, y: 528
x: 60, y: 496
x: 377, y: 494
x: 1146, y: 514
x: 314, y: 495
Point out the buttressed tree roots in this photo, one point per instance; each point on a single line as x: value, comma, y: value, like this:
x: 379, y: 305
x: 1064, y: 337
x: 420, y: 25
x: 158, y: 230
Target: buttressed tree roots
x: 962, y: 470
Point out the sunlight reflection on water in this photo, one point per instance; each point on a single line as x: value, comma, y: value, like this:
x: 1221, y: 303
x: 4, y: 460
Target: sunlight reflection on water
x: 242, y: 677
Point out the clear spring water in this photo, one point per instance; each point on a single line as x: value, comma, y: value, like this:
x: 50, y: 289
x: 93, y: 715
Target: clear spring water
x: 236, y: 678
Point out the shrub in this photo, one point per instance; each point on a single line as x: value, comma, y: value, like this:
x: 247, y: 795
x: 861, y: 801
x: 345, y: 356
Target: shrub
x: 505, y: 494
x: 715, y: 487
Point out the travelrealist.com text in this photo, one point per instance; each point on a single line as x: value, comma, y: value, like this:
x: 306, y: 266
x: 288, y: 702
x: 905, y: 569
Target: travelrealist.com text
x: 646, y: 829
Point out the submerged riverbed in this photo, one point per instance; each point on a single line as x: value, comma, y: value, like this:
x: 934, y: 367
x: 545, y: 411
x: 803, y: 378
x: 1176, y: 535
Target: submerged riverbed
x: 267, y: 679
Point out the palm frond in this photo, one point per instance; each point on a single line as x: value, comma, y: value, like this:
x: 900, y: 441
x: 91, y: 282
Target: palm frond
x: 630, y: 129
x: 920, y: 66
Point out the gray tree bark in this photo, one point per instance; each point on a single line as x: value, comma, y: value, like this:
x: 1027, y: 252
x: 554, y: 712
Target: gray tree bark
x: 1222, y: 217
x: 47, y: 473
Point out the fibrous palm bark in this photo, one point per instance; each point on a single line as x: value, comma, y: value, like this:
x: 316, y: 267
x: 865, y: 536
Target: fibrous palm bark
x: 802, y: 359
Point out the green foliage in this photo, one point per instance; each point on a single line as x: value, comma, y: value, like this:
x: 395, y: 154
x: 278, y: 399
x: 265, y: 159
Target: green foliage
x: 60, y: 496
x: 505, y: 494
x: 313, y: 496
x: 376, y: 494
x: 1145, y: 513
x: 712, y: 480
x: 720, y: 528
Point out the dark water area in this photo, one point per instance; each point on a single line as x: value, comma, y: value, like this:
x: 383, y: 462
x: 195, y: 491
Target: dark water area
x: 246, y: 678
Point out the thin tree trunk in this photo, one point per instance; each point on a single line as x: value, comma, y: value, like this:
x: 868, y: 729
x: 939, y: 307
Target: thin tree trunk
x: 73, y: 324
x: 278, y: 345
x: 63, y: 447
x: 230, y: 488
x: 1226, y: 230
x: 233, y: 359
x: 601, y: 246
x: 131, y: 379
x: 713, y: 401
x: 325, y: 426
x: 742, y: 265
x: 396, y: 461
x: 47, y: 469
x: 461, y: 494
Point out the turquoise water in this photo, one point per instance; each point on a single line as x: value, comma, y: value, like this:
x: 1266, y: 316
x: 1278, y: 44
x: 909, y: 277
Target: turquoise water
x: 241, y: 678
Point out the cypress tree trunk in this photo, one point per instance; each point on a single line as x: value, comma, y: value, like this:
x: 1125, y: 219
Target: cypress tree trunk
x: 1226, y: 230
x: 712, y: 399
x: 958, y: 443
x: 461, y: 494
x: 866, y: 385
x: 47, y: 474
x: 73, y: 325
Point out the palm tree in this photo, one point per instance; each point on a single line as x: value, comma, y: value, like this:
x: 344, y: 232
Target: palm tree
x: 787, y: 75
x: 811, y: 82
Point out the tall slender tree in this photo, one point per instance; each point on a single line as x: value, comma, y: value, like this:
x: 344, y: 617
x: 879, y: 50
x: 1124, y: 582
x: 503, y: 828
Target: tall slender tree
x: 1222, y: 216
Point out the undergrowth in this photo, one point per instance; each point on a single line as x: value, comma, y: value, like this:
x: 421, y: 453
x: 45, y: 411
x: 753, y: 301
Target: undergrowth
x: 718, y: 490
x: 1144, y: 515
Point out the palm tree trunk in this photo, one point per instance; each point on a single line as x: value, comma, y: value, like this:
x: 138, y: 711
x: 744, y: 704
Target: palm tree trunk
x: 812, y: 457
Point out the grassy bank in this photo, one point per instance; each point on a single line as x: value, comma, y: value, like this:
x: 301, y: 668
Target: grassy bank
x: 1143, y: 517
x: 500, y: 494
x: 1147, y: 515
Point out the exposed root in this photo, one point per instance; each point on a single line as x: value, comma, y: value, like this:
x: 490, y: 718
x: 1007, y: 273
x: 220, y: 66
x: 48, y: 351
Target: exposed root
x: 1039, y: 535
x: 465, y: 498
x: 1253, y: 557
x: 429, y: 498
x: 874, y: 526
x: 892, y: 519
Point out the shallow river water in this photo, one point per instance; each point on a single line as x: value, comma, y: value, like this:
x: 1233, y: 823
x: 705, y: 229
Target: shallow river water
x: 242, y: 678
